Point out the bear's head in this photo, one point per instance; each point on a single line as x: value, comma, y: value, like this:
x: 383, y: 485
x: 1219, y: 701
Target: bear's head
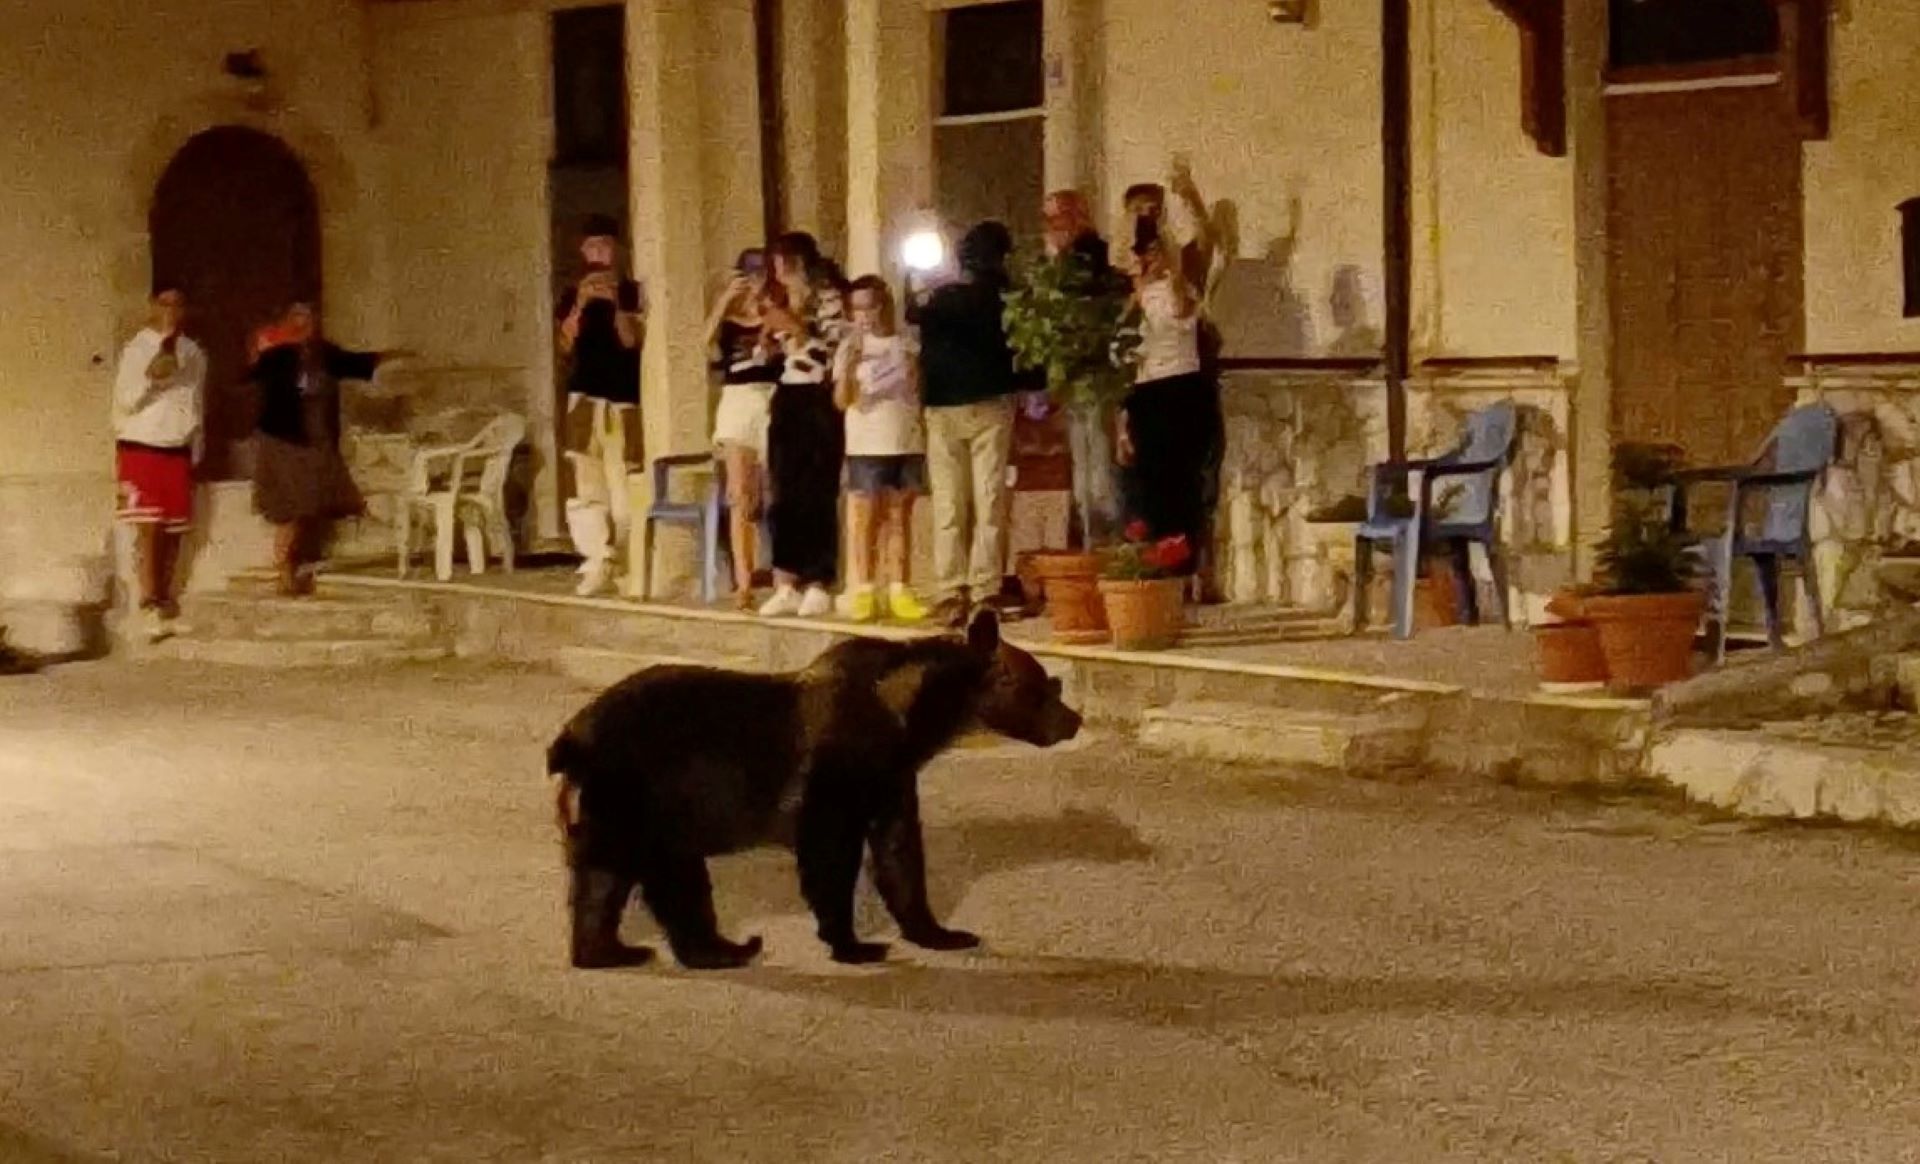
x: 1019, y: 698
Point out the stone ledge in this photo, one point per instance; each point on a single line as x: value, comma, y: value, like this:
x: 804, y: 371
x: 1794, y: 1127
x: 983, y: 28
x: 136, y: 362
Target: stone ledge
x: 1759, y: 774
x: 1386, y: 741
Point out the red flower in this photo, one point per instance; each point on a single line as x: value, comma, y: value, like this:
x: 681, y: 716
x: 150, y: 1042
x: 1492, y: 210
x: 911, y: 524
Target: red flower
x: 1169, y: 553
x: 1136, y: 531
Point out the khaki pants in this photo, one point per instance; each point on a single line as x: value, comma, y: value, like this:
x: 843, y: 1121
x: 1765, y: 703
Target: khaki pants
x: 603, y: 444
x: 968, y: 448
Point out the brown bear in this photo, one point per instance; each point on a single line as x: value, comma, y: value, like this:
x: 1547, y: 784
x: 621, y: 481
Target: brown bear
x: 676, y: 764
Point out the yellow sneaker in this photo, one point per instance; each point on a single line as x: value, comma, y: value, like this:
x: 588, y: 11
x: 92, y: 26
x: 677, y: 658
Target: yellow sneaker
x: 904, y: 605
x: 863, y: 606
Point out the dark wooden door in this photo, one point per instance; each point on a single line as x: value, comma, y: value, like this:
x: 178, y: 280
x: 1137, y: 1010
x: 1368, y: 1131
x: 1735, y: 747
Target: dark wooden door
x: 235, y: 225
x: 1705, y: 239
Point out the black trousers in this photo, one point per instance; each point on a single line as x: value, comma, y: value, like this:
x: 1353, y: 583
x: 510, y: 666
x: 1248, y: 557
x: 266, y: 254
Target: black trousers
x: 1178, y: 434
x: 806, y: 443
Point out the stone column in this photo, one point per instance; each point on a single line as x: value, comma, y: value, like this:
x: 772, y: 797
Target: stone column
x: 1072, y: 48
x: 1592, y: 410
x: 813, y: 104
x: 889, y: 128
x: 664, y: 52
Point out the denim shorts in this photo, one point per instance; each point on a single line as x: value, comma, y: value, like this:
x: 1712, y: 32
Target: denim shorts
x: 903, y: 474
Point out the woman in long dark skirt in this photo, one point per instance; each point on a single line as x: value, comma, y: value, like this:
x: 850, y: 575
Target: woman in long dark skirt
x: 1170, y: 424
x: 806, y: 437
x: 301, y: 484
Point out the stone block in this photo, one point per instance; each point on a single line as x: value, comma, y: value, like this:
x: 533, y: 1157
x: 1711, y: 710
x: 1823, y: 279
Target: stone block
x: 1382, y: 742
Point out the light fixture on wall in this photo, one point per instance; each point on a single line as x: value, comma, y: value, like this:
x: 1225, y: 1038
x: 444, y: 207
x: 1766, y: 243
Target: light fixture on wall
x: 250, y: 71
x: 1288, y: 11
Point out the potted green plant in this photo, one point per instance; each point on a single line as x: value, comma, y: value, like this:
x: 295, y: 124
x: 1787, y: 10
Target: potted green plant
x: 1064, y: 319
x: 1142, y: 589
x: 1644, y: 605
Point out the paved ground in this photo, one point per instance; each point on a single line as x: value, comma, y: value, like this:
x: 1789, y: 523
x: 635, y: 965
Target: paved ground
x: 248, y: 918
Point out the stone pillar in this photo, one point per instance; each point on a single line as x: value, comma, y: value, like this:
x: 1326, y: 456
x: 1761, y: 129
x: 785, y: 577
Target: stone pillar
x: 1072, y: 32
x: 665, y: 49
x: 889, y: 129
x: 813, y: 104
x: 1592, y: 419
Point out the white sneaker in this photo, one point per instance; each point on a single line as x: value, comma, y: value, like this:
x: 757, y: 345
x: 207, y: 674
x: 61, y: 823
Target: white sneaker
x: 817, y: 604
x: 784, y: 604
x: 154, y: 625
x: 596, y: 577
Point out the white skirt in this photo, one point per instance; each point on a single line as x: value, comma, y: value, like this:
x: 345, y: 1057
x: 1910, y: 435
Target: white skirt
x: 742, y: 416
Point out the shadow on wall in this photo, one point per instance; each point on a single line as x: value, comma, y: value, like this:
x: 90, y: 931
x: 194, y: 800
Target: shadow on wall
x: 1256, y: 304
x: 1355, y: 334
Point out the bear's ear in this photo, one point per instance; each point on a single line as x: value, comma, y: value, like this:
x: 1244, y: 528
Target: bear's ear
x: 983, y: 633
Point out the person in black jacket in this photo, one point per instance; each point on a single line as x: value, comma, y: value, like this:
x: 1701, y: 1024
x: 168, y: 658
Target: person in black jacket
x: 301, y: 483
x: 969, y: 385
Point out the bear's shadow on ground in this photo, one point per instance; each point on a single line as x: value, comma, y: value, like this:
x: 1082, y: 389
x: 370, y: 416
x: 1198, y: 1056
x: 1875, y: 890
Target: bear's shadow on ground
x: 958, y: 855
x: 987, y: 983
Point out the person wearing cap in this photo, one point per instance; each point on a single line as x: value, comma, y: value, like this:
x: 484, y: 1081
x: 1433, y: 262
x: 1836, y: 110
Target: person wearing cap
x: 600, y: 322
x: 969, y: 385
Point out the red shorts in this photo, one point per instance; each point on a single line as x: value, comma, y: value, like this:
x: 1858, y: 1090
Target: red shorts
x: 156, y: 485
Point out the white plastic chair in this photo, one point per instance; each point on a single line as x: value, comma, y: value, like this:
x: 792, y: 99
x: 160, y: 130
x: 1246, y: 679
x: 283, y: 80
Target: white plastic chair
x: 447, y: 493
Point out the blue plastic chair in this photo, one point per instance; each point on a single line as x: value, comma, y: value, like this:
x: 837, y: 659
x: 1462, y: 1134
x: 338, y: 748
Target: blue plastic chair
x: 707, y: 515
x: 1777, y: 490
x: 1468, y: 514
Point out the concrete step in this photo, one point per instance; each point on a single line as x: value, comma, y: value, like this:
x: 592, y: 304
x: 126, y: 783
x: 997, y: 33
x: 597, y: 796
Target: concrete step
x: 598, y: 667
x: 269, y: 616
x: 296, y: 653
x: 1388, y: 739
x: 1767, y: 773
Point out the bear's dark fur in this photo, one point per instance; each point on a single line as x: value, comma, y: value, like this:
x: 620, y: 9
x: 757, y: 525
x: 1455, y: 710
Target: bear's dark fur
x: 676, y: 764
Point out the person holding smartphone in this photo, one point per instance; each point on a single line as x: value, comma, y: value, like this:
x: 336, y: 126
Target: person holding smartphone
x: 877, y: 385
x: 1169, y: 421
x: 749, y: 366
x: 157, y: 440
x: 600, y: 319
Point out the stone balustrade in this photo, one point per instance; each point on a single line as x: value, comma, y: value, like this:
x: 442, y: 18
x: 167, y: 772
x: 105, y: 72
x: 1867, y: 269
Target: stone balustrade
x: 1867, y: 510
x: 1301, y: 434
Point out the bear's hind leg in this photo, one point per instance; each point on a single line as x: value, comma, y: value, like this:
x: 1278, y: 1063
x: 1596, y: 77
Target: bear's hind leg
x: 597, y: 898
x: 679, y: 893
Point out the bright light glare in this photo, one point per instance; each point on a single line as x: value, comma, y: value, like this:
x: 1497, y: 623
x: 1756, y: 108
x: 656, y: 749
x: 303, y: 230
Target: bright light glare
x: 924, y: 251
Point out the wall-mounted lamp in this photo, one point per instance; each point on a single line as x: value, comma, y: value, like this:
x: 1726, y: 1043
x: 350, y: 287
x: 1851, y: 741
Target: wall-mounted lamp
x: 1288, y: 11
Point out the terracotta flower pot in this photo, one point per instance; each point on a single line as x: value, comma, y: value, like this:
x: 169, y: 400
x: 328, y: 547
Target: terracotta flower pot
x: 1073, y: 600
x: 1146, y: 614
x: 1569, y: 654
x: 1647, y: 638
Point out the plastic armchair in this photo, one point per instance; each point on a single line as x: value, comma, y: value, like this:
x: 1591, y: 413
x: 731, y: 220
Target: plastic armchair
x: 438, y: 484
x: 1779, y: 484
x: 1468, y: 515
x: 705, y: 516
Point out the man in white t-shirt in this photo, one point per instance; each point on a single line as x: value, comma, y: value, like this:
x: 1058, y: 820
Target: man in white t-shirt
x: 877, y: 384
x: 157, y: 442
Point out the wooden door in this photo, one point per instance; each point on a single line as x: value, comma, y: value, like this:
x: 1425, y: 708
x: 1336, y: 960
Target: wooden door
x: 235, y: 225
x: 1704, y: 222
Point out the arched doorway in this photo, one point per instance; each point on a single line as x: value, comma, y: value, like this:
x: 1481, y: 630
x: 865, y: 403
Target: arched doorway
x: 235, y: 224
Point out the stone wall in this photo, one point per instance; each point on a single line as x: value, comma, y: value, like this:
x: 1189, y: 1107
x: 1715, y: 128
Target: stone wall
x: 1866, y: 513
x: 1303, y: 437
x: 415, y: 406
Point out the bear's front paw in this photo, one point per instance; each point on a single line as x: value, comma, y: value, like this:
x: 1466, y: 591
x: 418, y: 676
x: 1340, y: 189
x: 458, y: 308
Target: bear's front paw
x: 941, y: 938
x: 860, y: 953
x: 721, y: 955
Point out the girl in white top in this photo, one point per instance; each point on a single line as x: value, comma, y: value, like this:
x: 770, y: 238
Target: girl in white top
x: 877, y: 384
x: 1169, y: 422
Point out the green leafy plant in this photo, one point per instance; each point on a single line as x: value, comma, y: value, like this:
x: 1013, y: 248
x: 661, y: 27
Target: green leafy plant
x: 1645, y: 465
x: 1067, y: 318
x: 1642, y: 554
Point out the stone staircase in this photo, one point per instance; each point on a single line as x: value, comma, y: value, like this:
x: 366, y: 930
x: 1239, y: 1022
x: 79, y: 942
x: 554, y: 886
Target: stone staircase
x: 249, y: 625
